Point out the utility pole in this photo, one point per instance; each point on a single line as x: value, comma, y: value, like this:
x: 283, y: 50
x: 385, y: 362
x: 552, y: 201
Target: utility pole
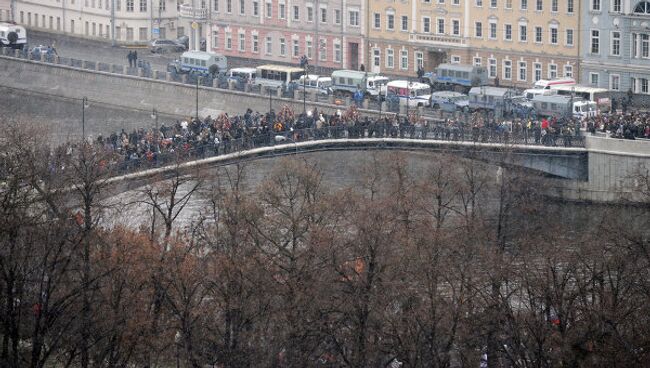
x: 84, y: 103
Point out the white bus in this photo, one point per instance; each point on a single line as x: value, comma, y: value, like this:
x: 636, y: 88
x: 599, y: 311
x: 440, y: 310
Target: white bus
x: 6, y: 29
x: 242, y: 75
x: 276, y: 76
x: 600, y: 96
x: 414, y: 94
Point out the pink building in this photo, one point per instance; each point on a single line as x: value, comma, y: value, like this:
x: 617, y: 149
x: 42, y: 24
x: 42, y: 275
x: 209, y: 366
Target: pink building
x: 329, y: 33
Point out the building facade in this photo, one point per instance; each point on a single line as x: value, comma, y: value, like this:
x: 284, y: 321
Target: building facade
x: 5, y: 10
x: 136, y: 21
x: 523, y: 41
x: 404, y: 35
x: 330, y: 33
x: 616, y: 45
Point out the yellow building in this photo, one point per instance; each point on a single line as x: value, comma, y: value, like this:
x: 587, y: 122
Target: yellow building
x: 522, y: 41
x: 406, y: 34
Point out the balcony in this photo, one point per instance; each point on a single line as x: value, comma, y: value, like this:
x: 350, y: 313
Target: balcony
x: 188, y: 11
x: 438, y: 39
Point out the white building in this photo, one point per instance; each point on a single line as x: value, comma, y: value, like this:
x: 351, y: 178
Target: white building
x: 136, y: 21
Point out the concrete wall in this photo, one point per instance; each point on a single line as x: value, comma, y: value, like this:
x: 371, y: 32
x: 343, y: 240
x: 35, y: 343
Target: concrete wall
x: 134, y: 92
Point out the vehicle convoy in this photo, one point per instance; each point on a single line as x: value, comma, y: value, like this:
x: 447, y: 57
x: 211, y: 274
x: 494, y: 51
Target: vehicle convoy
x: 347, y: 82
x: 559, y: 106
x: 199, y: 62
x: 413, y: 94
x: 461, y: 77
x: 450, y: 101
x: 321, y: 85
x: 12, y: 35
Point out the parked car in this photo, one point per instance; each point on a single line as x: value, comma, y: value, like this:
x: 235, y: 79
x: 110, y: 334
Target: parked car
x: 183, y: 40
x: 163, y: 46
x: 450, y: 101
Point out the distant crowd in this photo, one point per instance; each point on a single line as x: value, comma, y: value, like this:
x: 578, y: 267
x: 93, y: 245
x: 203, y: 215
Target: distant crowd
x: 630, y: 125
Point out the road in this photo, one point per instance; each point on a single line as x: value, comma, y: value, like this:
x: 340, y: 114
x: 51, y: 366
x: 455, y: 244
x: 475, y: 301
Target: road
x: 79, y: 48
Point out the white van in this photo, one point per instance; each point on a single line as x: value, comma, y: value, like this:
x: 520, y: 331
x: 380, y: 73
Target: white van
x: 242, y: 75
x: 322, y: 85
x: 6, y: 29
x: 415, y: 94
x: 198, y: 62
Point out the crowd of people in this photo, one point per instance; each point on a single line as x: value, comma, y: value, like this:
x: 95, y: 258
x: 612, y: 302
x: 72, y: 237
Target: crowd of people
x: 628, y: 125
x: 197, y: 138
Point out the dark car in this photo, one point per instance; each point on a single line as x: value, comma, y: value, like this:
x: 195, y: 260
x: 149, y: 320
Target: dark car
x: 183, y: 40
x: 163, y: 46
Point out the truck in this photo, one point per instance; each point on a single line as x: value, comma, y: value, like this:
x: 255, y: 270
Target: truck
x: 496, y: 99
x: 12, y: 35
x: 460, y: 77
x: 347, y: 82
x: 562, y: 106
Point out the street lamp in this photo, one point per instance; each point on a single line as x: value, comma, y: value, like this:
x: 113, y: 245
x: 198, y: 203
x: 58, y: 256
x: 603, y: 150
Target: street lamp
x: 198, y: 78
x: 281, y: 138
x: 154, y: 116
x: 303, y: 63
x: 84, y: 106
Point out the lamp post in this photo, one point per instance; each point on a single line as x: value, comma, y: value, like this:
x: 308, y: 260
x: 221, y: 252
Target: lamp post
x: 303, y: 63
x: 198, y: 78
x: 84, y: 105
x: 154, y: 116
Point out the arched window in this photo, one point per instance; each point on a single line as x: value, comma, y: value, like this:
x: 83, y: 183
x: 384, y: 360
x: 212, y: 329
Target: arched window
x: 643, y: 7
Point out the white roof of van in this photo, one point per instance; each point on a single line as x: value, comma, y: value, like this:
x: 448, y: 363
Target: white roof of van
x: 201, y: 55
x: 406, y: 84
x: 280, y: 68
x: 243, y: 70
x: 490, y: 91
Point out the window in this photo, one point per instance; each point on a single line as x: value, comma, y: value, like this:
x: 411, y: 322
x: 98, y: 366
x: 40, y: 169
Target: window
x: 492, y: 68
x: 569, y: 6
x: 552, y: 71
x: 228, y: 41
x: 405, y: 23
x: 118, y: 5
x: 283, y: 46
x: 538, y: 34
x: 215, y: 39
x: 404, y: 63
x: 242, y: 7
x: 478, y: 61
x: 256, y: 9
x: 644, y: 85
x: 595, y: 5
x: 376, y: 57
x: 296, y: 48
x: 593, y: 79
x: 508, y: 4
x: 142, y: 33
x: 569, y: 37
x: 493, y: 31
x: 642, y: 7
x: 390, y: 22
x: 354, y: 18
x: 595, y: 41
x: 419, y: 60
x: 390, y: 58
x: 523, y: 71
x: 524, y: 5
x: 554, y: 6
x: 322, y: 51
x: 479, y: 2
x: 143, y: 6
x: 539, y: 6
x: 455, y: 59
x: 614, y: 82
x: 493, y: 3
x: 282, y: 8
x: 507, y: 33
x: 269, y: 9
x: 537, y: 71
x: 255, y: 47
x: 553, y: 35
x: 568, y: 71
x: 309, y: 48
x: 242, y: 42
x: 633, y: 84
x: 377, y: 21
x: 645, y: 46
x: 523, y: 33
x: 269, y: 45
x: 441, y: 26
x: 478, y: 29
x: 616, y: 43
x: 507, y: 69
x: 129, y: 33
x: 162, y: 5
x: 337, y: 16
x: 296, y: 12
x: 337, y: 52
x: 323, y: 15
x: 129, y: 5
x: 426, y: 24
x: 455, y: 27
x: 228, y: 6
x: 616, y: 6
